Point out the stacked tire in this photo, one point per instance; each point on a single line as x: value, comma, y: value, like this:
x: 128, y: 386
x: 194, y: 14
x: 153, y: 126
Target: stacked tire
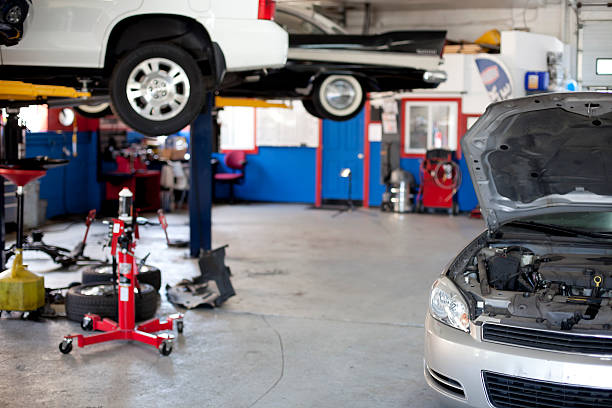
x: 103, y: 273
x: 98, y: 294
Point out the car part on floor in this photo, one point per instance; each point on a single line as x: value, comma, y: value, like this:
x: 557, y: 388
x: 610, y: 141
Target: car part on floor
x: 104, y: 274
x: 55, y: 303
x: 122, y: 247
x: 175, y: 243
x: 60, y: 255
x: 101, y: 299
x: 211, y: 288
x: 440, y: 180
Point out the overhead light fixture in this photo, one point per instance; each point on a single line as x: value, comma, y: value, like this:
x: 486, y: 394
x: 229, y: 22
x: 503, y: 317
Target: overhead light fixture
x: 345, y: 173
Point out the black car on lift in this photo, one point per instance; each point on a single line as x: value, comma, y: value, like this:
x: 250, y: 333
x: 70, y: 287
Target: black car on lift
x: 332, y: 71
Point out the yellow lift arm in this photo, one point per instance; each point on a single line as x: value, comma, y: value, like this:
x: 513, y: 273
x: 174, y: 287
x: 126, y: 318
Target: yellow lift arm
x: 23, y: 91
x: 221, y: 101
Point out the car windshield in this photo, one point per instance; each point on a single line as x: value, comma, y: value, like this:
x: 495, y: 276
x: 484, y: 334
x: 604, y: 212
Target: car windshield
x: 586, y: 221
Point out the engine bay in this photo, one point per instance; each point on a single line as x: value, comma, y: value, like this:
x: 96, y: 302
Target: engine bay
x: 518, y: 285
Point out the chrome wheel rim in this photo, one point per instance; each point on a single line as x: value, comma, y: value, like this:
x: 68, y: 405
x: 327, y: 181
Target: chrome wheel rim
x: 158, y: 89
x: 340, y: 94
x: 13, y: 16
x: 98, y: 290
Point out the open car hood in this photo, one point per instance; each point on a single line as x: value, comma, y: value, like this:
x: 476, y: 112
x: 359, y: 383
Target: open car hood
x: 540, y: 155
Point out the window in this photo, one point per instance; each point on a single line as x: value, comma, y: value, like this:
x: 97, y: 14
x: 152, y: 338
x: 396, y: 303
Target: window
x: 287, y: 127
x: 603, y: 66
x: 296, y: 25
x: 430, y: 125
x: 470, y: 121
x: 237, y: 126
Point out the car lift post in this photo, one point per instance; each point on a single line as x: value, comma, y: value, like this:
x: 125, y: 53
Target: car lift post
x: 200, y: 197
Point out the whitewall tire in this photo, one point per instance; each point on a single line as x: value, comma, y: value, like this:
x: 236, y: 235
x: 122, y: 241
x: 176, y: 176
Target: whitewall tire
x: 338, y: 97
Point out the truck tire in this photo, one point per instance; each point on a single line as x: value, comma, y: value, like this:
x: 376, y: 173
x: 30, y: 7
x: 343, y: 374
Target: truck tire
x: 157, y: 89
x: 104, y: 274
x: 101, y: 299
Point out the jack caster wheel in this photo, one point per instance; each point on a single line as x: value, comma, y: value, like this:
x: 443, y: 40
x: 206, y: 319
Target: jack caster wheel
x: 180, y: 326
x: 166, y: 348
x: 87, y: 323
x: 65, y: 346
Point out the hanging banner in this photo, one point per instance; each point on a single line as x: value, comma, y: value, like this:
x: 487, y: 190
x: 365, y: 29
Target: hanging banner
x: 495, y: 78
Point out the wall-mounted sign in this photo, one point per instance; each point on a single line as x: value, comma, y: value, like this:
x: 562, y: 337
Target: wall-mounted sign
x: 495, y: 78
x: 375, y: 132
x: 389, y: 123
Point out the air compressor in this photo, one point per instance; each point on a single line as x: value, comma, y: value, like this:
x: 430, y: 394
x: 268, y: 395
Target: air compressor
x: 440, y: 179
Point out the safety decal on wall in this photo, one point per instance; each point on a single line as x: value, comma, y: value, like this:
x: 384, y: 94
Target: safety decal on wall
x: 495, y: 78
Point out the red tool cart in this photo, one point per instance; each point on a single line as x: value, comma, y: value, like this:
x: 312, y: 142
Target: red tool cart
x: 440, y: 180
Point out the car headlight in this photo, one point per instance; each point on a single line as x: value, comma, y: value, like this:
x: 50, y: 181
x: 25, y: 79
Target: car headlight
x: 447, y: 305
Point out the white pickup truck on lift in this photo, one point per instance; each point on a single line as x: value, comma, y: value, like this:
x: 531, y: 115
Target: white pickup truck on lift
x: 156, y: 58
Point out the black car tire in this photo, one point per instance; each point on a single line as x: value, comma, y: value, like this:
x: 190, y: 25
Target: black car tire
x: 94, y: 111
x: 78, y: 303
x: 323, y: 105
x: 167, y: 120
x: 104, y: 274
x: 310, y: 108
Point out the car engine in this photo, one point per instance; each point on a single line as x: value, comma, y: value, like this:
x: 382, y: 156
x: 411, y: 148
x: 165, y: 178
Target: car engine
x: 554, y: 291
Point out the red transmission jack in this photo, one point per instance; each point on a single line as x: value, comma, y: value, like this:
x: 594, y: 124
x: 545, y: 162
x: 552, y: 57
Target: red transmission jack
x: 122, y: 248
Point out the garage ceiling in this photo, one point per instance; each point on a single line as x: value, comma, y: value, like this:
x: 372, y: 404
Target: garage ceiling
x: 427, y: 4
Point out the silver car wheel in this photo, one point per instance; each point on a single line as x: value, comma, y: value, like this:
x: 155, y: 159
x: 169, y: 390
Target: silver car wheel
x: 340, y: 95
x: 158, y: 89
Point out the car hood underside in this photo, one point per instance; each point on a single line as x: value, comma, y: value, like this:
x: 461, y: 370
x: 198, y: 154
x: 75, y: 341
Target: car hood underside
x: 542, y: 154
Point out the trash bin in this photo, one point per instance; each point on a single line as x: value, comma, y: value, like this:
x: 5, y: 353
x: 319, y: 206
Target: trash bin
x: 398, y: 196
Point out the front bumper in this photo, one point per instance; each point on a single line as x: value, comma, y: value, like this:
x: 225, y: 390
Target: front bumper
x: 462, y: 357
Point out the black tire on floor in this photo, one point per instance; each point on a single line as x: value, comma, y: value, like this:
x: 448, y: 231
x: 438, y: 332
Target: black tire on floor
x: 104, y: 273
x: 100, y: 299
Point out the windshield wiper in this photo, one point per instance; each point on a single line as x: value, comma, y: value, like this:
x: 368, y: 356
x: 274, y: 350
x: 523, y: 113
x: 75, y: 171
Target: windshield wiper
x: 559, y: 230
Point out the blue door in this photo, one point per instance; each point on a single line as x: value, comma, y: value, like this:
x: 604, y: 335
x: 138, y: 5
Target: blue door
x: 343, y: 148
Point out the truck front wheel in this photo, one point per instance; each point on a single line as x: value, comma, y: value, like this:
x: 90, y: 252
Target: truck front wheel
x: 157, y: 89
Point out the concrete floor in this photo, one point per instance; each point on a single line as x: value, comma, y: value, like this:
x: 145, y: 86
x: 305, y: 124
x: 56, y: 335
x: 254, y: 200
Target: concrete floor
x: 329, y: 313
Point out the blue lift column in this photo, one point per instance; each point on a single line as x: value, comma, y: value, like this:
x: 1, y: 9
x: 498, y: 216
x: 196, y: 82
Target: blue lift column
x: 200, y: 193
